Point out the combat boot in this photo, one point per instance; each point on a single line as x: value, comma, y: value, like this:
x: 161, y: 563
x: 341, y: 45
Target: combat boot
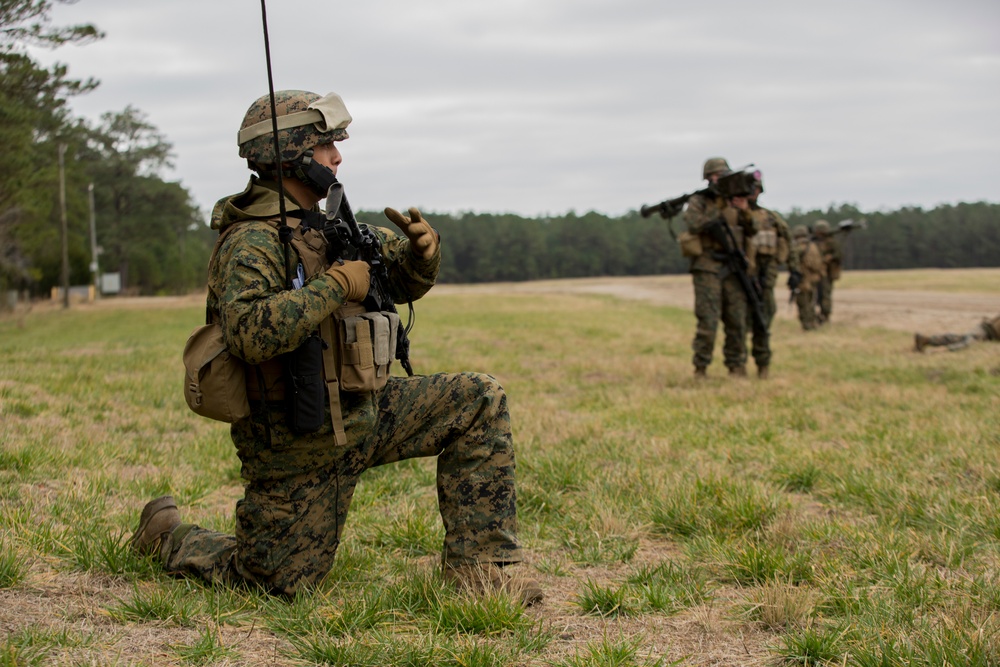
x: 700, y: 373
x: 491, y: 578
x: 920, y: 342
x: 159, y: 517
x: 762, y: 372
x: 738, y: 371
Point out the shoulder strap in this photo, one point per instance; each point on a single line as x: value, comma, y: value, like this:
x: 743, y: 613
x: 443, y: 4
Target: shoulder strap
x: 211, y: 262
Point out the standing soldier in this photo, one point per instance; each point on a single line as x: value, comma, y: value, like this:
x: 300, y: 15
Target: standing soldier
x: 274, y: 293
x: 718, y: 293
x: 770, y: 247
x: 987, y: 330
x: 813, y: 270
x: 829, y: 247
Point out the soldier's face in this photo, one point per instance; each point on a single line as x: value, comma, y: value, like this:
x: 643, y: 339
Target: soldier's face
x: 328, y: 155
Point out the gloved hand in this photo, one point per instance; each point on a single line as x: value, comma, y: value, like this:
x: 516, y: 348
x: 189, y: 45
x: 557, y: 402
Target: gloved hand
x: 423, y: 238
x: 354, y: 276
x: 794, y: 280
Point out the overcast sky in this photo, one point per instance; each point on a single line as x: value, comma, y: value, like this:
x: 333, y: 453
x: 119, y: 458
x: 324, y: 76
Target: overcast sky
x: 542, y: 106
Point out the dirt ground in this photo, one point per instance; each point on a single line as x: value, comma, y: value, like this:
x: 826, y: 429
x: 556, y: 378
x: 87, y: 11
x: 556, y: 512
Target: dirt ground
x: 900, y: 310
x: 912, y: 311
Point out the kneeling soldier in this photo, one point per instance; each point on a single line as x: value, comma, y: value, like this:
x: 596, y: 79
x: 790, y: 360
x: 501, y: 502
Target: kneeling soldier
x: 272, y: 294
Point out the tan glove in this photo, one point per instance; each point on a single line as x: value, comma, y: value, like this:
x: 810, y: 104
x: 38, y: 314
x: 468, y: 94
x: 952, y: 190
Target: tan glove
x: 353, y: 276
x: 423, y: 239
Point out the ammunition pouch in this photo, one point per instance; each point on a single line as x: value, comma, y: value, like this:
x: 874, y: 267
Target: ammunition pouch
x: 690, y: 244
x: 765, y: 242
x: 365, y: 347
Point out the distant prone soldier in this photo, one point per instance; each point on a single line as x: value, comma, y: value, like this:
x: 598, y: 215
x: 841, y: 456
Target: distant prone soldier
x: 988, y: 329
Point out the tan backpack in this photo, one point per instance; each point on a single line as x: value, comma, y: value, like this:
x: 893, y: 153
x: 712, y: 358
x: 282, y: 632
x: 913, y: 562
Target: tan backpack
x: 215, y: 383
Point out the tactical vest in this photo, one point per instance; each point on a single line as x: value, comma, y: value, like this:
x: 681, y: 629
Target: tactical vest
x: 358, y: 346
x: 768, y: 241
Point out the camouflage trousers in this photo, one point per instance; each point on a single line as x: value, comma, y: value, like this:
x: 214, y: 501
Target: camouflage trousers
x: 805, y: 300
x: 825, y: 298
x: 767, y: 274
x: 719, y: 296
x: 299, y: 487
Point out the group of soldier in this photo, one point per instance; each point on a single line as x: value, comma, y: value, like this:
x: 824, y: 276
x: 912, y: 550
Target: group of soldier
x: 307, y: 321
x: 765, y: 240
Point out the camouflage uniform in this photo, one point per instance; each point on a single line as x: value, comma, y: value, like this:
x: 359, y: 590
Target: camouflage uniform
x: 987, y: 330
x: 829, y: 247
x: 298, y: 488
x: 718, y: 293
x: 770, y: 247
x: 813, y: 271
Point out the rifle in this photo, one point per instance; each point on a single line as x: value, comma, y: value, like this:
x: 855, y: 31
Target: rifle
x: 794, y: 280
x: 739, y: 265
x: 348, y: 240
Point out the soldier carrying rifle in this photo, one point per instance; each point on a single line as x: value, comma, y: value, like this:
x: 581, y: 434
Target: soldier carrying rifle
x: 719, y: 226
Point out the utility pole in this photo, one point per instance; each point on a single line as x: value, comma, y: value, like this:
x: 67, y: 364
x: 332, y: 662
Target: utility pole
x: 94, y: 250
x: 65, y: 233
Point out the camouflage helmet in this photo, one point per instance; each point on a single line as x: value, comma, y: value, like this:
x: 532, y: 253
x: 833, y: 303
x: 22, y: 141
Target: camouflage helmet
x: 800, y: 231
x: 714, y: 165
x: 821, y: 227
x: 305, y: 120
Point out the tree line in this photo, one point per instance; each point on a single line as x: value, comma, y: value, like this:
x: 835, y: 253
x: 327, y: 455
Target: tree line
x: 150, y: 231
x: 485, y: 247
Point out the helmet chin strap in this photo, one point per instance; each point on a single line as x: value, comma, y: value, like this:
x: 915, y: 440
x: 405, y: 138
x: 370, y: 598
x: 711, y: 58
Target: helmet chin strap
x: 319, y: 178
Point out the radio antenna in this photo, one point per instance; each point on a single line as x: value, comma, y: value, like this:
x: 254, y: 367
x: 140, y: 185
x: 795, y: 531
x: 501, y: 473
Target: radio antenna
x: 284, y: 231
x: 274, y: 114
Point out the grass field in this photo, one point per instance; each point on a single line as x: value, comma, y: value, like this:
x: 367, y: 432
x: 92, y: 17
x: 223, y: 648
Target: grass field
x: 844, y: 512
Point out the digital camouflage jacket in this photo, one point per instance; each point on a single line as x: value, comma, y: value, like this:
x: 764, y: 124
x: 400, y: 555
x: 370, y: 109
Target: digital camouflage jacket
x: 248, y: 284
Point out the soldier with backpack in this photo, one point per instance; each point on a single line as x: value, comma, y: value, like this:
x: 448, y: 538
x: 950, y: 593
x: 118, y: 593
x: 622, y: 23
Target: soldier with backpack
x: 813, y: 271
x: 302, y: 311
x: 718, y: 293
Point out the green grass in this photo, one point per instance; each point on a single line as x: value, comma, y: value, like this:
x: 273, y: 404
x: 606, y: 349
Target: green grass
x: 844, y: 510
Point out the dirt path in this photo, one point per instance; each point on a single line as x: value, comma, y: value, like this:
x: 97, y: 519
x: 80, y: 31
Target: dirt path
x: 902, y: 310
x: 898, y: 309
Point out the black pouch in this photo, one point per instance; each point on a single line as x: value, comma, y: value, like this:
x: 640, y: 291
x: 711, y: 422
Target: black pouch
x: 304, y: 388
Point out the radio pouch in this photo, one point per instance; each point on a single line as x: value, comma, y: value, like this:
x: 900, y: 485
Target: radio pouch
x: 305, y: 391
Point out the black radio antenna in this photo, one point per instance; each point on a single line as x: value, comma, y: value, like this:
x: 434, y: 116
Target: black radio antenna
x: 284, y: 231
